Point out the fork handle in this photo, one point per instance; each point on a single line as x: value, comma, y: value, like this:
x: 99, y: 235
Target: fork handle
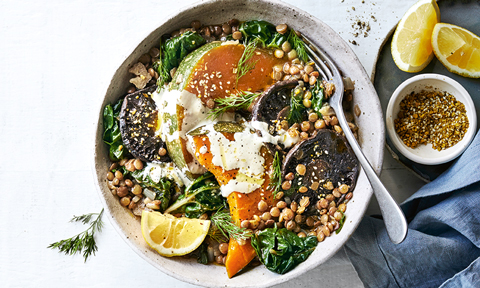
x: 395, y: 222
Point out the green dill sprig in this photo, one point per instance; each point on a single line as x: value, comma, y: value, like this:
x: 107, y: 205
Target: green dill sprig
x: 341, y: 222
x: 298, y: 45
x: 224, y: 223
x: 242, y: 100
x: 297, y: 109
x: 84, y: 241
x: 244, y: 64
x: 276, y: 179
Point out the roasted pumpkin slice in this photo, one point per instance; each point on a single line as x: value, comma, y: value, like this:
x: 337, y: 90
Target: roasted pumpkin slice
x: 204, y: 75
x: 243, y: 206
x: 138, y: 125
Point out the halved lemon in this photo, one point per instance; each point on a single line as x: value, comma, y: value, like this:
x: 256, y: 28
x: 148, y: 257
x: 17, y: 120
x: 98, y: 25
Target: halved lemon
x: 458, y: 49
x: 171, y: 236
x: 411, y: 43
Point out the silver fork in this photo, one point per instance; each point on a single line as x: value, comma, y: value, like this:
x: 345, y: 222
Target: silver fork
x: 393, y: 216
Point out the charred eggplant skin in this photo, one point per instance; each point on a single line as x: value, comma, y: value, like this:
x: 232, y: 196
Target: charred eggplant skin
x: 138, y: 120
x: 272, y: 101
x: 327, y: 157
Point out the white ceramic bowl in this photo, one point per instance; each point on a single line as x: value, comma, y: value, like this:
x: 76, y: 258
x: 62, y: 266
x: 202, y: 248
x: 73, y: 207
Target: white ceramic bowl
x: 371, y: 133
x: 425, y: 154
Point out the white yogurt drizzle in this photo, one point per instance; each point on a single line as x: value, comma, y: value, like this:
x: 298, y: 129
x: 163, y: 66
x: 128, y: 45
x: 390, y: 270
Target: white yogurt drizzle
x: 243, y: 153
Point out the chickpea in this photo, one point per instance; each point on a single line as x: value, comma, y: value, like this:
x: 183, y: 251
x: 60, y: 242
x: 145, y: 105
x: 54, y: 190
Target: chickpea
x: 115, y: 182
x: 312, y: 80
x: 110, y: 176
x: 302, y: 235
x: 324, y: 219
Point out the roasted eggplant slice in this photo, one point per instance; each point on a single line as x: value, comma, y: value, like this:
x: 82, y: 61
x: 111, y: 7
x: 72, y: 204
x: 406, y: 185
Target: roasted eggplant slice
x: 273, y: 104
x: 138, y: 123
x: 320, y: 164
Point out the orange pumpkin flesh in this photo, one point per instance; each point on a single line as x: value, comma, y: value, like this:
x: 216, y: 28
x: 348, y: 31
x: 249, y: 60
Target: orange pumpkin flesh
x: 242, y: 206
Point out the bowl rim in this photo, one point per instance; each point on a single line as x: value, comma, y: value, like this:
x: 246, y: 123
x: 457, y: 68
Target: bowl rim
x: 466, y: 99
x: 375, y: 152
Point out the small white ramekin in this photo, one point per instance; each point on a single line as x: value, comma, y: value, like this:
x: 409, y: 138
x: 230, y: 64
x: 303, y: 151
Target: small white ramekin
x: 425, y: 154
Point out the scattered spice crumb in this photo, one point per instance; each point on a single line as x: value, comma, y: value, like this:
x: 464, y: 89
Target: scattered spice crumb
x: 431, y: 117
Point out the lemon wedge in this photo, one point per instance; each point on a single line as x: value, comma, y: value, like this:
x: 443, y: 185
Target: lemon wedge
x: 171, y: 236
x: 458, y: 49
x: 411, y: 43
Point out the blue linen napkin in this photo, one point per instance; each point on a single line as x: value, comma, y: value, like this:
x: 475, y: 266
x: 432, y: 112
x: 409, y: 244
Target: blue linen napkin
x: 442, y: 247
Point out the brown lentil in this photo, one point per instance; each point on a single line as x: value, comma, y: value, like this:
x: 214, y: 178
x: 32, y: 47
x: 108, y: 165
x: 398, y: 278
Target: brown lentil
x: 125, y: 201
x: 301, y: 169
x: 286, y: 185
x: 290, y: 176
x: 262, y: 206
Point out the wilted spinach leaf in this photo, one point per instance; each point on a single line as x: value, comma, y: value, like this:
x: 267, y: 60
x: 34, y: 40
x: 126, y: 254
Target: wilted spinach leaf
x: 281, y: 250
x: 173, y: 51
x: 202, y: 196
x: 163, y: 190
x: 111, y: 133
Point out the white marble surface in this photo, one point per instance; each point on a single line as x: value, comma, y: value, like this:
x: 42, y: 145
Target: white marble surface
x: 57, y: 58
